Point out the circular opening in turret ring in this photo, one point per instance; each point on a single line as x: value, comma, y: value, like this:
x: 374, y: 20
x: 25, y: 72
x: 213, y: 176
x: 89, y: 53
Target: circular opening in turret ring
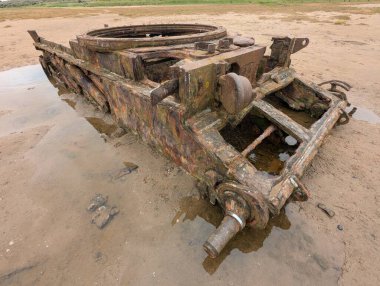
x: 127, y: 37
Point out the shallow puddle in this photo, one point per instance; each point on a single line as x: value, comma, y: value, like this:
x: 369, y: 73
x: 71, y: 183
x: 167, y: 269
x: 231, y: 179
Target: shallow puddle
x: 157, y: 237
x: 363, y: 114
x: 270, y: 157
x: 101, y: 126
x: 70, y: 102
x: 247, y: 241
x: 271, y: 154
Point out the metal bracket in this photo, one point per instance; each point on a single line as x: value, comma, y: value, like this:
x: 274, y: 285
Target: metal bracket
x: 343, y: 119
x: 34, y: 36
x: 334, y: 84
x: 299, y: 44
x: 301, y: 193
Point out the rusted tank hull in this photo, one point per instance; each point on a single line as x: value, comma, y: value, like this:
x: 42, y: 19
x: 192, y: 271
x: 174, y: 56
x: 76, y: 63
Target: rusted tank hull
x: 131, y: 109
x: 212, y: 104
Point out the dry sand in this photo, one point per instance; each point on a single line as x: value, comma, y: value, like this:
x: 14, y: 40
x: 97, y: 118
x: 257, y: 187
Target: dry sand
x: 52, y: 162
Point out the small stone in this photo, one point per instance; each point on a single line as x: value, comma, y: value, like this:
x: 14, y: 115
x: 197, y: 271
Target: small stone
x: 114, y: 211
x: 97, y: 202
x: 119, y: 175
x: 340, y: 227
x: 103, y: 216
x: 98, y: 256
x: 11, y: 242
x: 327, y: 211
x: 130, y: 166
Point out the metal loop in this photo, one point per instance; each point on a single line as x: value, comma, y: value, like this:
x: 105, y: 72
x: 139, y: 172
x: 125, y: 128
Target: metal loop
x: 344, y: 116
x: 334, y: 83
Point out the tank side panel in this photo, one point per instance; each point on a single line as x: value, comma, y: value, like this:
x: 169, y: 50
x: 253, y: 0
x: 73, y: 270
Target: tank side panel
x: 160, y: 126
x: 107, y: 60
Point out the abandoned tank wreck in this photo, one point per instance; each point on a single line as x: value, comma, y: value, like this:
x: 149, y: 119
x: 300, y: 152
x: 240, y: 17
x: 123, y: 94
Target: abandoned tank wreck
x: 241, y: 121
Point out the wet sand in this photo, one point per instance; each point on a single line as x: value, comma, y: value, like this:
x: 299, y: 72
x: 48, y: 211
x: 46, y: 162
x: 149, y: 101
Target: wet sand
x: 53, y: 161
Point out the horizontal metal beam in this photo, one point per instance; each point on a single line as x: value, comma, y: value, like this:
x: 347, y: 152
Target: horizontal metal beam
x: 282, y: 120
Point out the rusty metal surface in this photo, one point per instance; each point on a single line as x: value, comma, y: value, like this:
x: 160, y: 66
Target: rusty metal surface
x: 118, y: 38
x: 235, y: 92
x: 205, y: 100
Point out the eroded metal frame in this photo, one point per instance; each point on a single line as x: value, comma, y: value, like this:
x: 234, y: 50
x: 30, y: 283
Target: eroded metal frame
x: 182, y: 116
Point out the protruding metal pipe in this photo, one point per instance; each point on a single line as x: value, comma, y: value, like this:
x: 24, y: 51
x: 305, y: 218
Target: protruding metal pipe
x: 164, y: 90
x: 228, y: 228
x: 267, y: 132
